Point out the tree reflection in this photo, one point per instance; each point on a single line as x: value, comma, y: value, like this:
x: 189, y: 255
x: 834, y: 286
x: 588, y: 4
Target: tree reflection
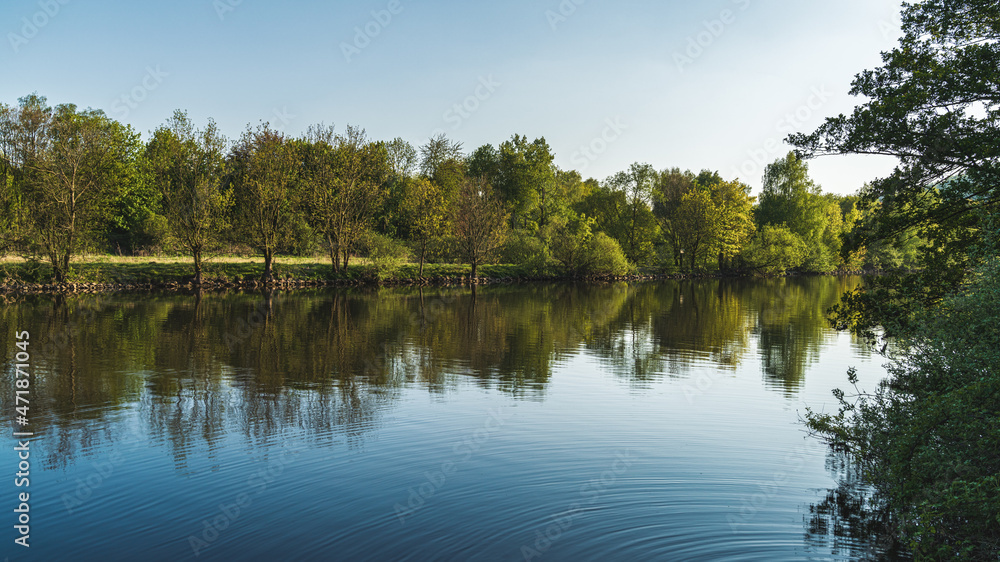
x: 330, y: 363
x: 847, y: 521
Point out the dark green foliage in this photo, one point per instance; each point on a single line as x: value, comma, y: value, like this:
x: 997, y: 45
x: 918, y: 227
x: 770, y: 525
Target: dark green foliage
x: 929, y: 439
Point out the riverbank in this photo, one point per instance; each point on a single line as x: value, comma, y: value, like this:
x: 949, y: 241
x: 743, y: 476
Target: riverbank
x: 138, y: 274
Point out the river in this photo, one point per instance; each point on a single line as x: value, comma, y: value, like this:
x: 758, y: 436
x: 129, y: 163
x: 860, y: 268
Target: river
x: 651, y: 421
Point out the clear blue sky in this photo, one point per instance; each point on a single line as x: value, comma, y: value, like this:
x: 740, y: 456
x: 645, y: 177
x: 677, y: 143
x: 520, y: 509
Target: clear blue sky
x: 714, y: 84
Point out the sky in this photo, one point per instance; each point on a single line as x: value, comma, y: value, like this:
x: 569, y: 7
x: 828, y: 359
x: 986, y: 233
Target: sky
x: 715, y: 84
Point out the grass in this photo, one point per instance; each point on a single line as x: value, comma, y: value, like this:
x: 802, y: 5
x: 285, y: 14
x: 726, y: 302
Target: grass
x: 178, y: 269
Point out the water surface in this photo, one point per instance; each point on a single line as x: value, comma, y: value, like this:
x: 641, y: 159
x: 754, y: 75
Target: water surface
x: 657, y: 421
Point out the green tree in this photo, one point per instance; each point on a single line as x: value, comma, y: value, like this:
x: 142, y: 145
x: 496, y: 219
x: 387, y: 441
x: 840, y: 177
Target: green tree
x: 345, y: 186
x: 926, y: 437
x: 72, y: 161
x: 265, y: 176
x: 426, y: 213
x: 933, y: 104
x: 790, y: 197
x: 523, y: 176
x: 480, y: 223
x: 188, y: 168
x: 734, y: 219
x: 671, y: 186
x: 697, y: 225
x: 774, y: 249
x: 437, y: 152
x: 640, y: 228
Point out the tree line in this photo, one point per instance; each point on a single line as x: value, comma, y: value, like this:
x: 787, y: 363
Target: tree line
x: 78, y: 181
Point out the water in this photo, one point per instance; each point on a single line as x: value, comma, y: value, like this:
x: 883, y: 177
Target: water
x: 657, y: 421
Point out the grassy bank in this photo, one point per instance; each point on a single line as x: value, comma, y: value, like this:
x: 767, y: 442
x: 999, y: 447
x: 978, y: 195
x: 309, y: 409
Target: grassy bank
x: 106, y: 272
x: 120, y: 271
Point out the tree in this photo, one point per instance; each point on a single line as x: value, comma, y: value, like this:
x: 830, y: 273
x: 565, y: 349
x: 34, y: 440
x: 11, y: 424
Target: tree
x: 402, y: 158
x: 480, y: 223
x: 188, y: 168
x: 671, y: 186
x: 436, y: 153
x: 346, y: 184
x: 775, y: 249
x: 790, y: 197
x: 427, y: 215
x: 70, y: 163
x: 697, y: 224
x: 734, y: 219
x: 925, y: 437
x: 10, y: 188
x: 933, y: 105
x: 265, y: 174
x: 523, y: 176
x: 640, y: 227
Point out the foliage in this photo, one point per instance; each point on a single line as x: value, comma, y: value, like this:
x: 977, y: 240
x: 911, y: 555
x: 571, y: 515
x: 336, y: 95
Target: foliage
x: 427, y: 213
x: 934, y: 105
x: 344, y: 178
x: 265, y: 173
x: 604, y: 256
x: 774, y: 250
x: 927, y: 438
x: 524, y: 248
x: 480, y: 223
x: 384, y: 253
x: 638, y: 223
x: 523, y: 176
x: 63, y: 165
x: 188, y: 169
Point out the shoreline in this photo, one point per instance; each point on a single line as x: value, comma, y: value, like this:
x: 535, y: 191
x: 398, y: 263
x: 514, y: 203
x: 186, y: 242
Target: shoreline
x: 454, y: 277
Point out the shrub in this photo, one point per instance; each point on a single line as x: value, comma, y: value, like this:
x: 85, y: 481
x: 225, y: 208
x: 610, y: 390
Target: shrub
x: 775, y: 249
x: 385, y: 254
x: 525, y: 249
x: 604, y: 256
x: 928, y: 440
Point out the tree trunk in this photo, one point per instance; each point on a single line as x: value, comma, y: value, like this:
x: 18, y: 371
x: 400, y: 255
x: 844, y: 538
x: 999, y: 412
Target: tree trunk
x: 475, y: 266
x: 423, y: 250
x: 268, y: 262
x: 334, y: 253
x: 197, y: 266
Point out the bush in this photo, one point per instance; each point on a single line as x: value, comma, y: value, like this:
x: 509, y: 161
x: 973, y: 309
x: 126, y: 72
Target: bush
x: 385, y: 254
x: 525, y: 249
x: 928, y: 440
x: 442, y: 249
x: 775, y: 249
x: 604, y: 256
